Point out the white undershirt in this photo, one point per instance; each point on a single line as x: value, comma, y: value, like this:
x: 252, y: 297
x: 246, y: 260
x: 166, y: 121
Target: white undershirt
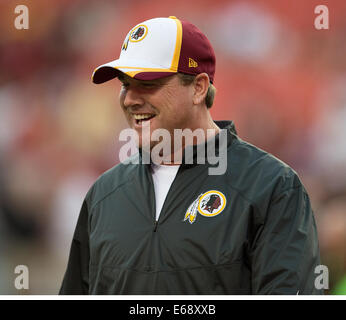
x: 163, y: 177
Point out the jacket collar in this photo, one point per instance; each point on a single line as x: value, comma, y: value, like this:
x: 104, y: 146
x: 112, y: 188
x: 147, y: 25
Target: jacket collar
x: 190, y: 157
x: 216, y: 141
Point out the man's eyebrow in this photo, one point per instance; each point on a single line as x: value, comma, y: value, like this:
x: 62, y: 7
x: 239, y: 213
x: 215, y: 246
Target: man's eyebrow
x: 160, y: 81
x: 149, y: 82
x: 156, y: 81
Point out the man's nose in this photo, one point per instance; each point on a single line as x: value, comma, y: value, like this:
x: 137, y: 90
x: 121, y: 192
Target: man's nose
x: 132, y: 97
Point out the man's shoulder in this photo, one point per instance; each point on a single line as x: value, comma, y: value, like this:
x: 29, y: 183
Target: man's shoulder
x: 255, y: 170
x: 111, y: 180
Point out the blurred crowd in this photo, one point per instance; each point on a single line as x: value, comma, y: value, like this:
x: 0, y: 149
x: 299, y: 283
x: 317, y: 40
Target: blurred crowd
x: 278, y: 78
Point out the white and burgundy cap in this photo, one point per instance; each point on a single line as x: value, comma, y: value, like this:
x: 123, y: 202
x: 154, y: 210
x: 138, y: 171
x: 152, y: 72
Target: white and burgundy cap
x: 158, y: 48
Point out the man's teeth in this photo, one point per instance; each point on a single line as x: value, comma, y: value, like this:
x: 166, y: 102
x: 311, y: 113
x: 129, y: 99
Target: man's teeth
x: 142, y: 116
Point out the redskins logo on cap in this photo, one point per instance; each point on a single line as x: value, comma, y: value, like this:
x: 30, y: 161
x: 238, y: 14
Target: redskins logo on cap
x: 138, y: 33
x: 208, y: 204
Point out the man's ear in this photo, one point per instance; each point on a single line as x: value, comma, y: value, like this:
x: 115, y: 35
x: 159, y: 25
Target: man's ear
x: 201, y: 85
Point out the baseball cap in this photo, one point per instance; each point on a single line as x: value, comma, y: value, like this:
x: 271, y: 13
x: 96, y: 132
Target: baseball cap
x: 158, y: 48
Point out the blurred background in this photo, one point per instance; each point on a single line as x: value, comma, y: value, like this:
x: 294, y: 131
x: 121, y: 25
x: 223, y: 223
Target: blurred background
x: 282, y: 82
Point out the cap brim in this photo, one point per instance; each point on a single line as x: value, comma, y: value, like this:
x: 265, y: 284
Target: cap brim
x: 134, y: 69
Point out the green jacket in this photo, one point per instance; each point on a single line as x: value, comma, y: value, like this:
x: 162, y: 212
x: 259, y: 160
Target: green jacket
x: 248, y: 231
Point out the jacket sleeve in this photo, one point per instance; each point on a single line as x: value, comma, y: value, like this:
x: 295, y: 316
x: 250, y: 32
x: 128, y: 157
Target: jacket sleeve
x: 76, y: 279
x: 286, y: 250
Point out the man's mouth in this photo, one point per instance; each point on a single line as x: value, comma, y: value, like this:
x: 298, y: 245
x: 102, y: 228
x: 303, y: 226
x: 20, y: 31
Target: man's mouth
x: 141, y: 118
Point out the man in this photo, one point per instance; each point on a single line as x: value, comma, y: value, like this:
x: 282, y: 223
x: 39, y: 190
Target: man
x: 171, y: 227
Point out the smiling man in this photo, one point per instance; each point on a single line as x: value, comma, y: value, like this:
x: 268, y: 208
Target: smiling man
x: 161, y: 104
x: 157, y: 109
x: 172, y: 227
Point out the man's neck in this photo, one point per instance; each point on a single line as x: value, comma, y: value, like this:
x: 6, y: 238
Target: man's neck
x: 200, y: 135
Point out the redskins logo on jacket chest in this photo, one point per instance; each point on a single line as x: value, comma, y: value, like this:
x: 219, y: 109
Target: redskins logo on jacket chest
x: 208, y: 204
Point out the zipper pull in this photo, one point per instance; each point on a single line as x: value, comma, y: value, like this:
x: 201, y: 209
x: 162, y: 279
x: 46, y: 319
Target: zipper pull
x: 155, y: 225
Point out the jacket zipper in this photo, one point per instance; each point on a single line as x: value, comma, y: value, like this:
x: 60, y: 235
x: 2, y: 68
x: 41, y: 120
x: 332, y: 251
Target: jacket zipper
x: 155, y: 225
